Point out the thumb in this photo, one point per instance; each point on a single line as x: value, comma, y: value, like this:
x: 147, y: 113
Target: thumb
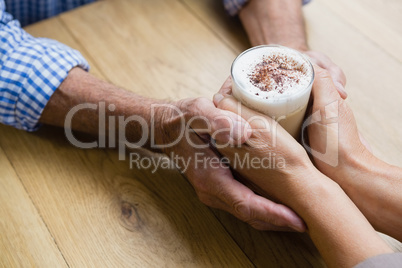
x: 223, y: 126
x: 254, y: 118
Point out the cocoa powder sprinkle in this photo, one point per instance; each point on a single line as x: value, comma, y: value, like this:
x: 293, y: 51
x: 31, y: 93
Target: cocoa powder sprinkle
x: 276, y: 72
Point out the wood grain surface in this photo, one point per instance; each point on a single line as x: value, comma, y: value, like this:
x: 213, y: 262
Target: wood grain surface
x: 25, y: 240
x: 63, y: 206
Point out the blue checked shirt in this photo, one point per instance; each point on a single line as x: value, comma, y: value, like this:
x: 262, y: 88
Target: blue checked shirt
x: 31, y: 69
x: 233, y: 6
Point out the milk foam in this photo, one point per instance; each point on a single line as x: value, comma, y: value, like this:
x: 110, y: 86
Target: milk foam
x: 245, y: 65
x: 288, y: 105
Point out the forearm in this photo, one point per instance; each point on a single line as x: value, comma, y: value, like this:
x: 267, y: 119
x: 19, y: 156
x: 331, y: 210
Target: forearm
x: 338, y: 229
x: 375, y: 187
x: 82, y: 88
x: 275, y: 22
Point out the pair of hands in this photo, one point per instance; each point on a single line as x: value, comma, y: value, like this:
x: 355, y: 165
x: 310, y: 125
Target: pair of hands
x: 331, y: 122
x: 215, y: 184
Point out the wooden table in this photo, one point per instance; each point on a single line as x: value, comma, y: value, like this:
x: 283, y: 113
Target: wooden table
x: 62, y: 206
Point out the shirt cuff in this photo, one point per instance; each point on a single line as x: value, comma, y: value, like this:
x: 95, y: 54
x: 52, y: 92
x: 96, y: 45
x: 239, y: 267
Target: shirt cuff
x: 233, y: 6
x: 32, y: 70
x: 47, y: 73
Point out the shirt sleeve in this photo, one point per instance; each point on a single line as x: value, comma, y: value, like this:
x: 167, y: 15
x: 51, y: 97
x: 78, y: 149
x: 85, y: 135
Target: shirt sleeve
x: 233, y: 6
x: 393, y: 260
x: 31, y: 69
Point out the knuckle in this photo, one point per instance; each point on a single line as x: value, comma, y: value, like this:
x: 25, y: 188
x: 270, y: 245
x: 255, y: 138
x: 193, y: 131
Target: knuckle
x: 203, y: 108
x: 221, y: 122
x: 336, y: 70
x: 201, y: 103
x: 323, y: 73
x: 222, y: 192
x: 242, y: 211
x: 184, y: 104
x: 225, y: 104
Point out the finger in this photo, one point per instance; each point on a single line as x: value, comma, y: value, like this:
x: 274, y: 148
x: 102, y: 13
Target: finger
x: 256, y: 224
x: 263, y: 226
x: 326, y: 63
x: 341, y: 89
x: 229, y: 103
x: 276, y: 214
x: 337, y: 73
x: 256, y: 210
x: 324, y: 90
x: 257, y: 121
x: 226, y: 88
x: 217, y: 98
x: 216, y: 187
x: 339, y: 79
x: 224, y: 126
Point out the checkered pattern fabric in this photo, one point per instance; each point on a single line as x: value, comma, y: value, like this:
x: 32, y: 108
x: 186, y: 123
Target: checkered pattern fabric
x: 31, y: 69
x: 30, y: 11
x: 233, y: 6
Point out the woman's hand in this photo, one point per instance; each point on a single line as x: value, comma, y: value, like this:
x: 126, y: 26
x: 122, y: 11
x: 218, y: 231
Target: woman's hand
x: 335, y: 142
x: 339, y: 230
x: 339, y: 153
x: 271, y: 158
x: 184, y: 126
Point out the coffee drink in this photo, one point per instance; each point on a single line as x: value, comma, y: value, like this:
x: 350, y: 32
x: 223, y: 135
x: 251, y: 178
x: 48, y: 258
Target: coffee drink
x: 275, y: 81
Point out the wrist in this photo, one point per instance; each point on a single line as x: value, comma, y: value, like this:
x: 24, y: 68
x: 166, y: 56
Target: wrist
x: 171, y: 122
x: 305, y: 182
x: 354, y: 167
x: 373, y: 186
x: 312, y: 186
x: 165, y: 125
x: 278, y: 22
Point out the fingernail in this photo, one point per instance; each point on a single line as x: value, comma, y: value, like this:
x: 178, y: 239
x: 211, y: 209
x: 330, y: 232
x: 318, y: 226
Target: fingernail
x: 217, y: 98
x: 341, y: 90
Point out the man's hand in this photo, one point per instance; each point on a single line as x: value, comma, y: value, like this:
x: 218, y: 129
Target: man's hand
x: 281, y: 22
x: 338, y: 76
x: 212, y: 179
x: 213, y: 183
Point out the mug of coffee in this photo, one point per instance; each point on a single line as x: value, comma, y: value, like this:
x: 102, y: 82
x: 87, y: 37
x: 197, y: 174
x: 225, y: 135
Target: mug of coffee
x: 276, y: 81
